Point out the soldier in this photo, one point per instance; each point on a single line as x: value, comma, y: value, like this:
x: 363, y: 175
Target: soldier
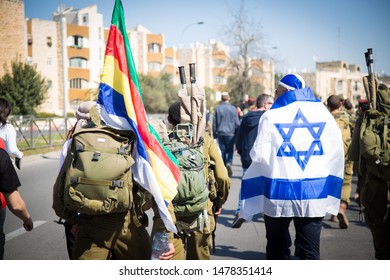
x: 343, y: 121
x: 374, y: 189
x: 120, y: 235
x: 198, y: 243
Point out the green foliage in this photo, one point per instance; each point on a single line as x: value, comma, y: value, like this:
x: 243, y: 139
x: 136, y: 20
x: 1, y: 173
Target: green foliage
x: 158, y: 92
x: 44, y: 115
x: 24, y: 88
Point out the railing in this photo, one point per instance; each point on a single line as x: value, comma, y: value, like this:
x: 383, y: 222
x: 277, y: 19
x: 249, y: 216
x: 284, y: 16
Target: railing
x: 33, y: 133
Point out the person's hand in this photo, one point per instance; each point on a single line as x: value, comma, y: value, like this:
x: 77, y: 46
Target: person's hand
x: 28, y: 224
x: 218, y: 212
x: 74, y: 229
x: 17, y: 162
x: 168, y: 255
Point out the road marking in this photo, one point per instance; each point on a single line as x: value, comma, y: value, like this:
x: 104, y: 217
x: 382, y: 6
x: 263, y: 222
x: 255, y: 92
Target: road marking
x: 21, y: 231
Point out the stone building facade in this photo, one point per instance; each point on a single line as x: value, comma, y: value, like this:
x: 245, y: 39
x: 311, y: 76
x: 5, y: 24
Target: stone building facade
x: 13, y: 33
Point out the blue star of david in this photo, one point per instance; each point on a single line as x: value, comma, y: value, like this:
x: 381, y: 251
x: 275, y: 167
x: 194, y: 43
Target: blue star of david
x: 287, y: 149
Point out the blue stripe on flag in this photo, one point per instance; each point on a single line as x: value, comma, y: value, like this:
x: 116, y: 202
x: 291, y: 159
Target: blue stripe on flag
x: 283, y: 189
x: 289, y: 97
x: 112, y: 100
x: 114, y: 104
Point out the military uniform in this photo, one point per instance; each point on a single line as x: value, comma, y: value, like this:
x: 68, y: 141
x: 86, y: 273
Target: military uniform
x: 343, y: 121
x: 373, y: 195
x: 121, y: 236
x: 198, y: 244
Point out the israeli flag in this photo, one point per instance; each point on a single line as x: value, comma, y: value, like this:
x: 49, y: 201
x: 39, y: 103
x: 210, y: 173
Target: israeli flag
x: 297, y: 161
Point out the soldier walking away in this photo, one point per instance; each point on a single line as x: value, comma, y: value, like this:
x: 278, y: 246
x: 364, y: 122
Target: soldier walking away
x: 343, y: 121
x: 370, y: 148
x: 193, y: 241
x: 374, y: 186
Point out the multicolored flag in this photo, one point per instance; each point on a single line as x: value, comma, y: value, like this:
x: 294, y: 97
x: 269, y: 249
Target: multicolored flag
x: 121, y: 106
x: 297, y: 161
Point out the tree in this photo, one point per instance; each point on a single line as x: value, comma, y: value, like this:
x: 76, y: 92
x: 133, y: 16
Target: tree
x: 245, y: 38
x: 158, y: 92
x: 24, y: 88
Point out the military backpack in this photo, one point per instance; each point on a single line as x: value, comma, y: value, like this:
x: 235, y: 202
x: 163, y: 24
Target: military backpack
x: 192, y: 191
x: 96, y: 176
x: 375, y: 137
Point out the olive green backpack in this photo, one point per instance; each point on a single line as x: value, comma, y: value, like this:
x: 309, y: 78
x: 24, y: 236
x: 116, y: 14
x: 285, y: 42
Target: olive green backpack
x: 96, y: 176
x: 192, y: 191
x: 375, y: 136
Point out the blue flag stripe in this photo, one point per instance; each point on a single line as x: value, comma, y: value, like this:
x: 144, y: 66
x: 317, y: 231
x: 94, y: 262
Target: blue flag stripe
x: 283, y: 189
x: 114, y: 104
x: 292, y: 96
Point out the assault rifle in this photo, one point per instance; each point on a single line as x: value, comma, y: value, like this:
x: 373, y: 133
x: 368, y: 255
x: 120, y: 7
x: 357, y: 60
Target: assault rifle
x: 370, y: 82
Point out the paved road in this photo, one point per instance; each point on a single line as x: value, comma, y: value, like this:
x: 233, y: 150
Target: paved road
x: 47, y: 241
x: 249, y: 242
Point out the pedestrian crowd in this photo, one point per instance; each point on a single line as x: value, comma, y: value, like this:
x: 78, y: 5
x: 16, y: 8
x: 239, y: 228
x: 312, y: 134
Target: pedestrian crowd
x: 298, y: 156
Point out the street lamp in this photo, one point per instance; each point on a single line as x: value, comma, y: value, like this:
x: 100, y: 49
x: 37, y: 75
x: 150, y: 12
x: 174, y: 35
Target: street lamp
x: 185, y: 28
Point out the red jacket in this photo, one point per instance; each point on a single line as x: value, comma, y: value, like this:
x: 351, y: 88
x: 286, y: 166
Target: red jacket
x: 2, y: 199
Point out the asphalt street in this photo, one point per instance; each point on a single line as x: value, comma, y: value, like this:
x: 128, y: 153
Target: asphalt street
x: 47, y: 240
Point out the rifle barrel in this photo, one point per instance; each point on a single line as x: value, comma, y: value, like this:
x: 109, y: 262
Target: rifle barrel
x: 182, y: 75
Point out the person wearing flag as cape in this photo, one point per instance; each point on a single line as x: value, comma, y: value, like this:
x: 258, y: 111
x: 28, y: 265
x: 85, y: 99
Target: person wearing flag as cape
x: 296, y: 172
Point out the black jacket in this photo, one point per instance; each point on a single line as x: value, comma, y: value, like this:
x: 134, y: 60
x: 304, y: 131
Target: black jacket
x: 247, y: 134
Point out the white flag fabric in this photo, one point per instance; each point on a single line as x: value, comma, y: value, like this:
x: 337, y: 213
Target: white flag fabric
x: 297, y: 161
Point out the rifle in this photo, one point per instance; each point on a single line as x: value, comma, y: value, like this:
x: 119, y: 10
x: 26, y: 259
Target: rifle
x: 370, y: 81
x: 214, y: 199
x: 194, y: 119
x: 182, y: 75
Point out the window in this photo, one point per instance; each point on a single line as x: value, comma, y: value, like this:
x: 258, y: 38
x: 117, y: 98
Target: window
x: 77, y: 42
x: 169, y: 60
x: 257, y: 72
x: 29, y: 39
x: 357, y: 85
x: 85, y: 19
x: 49, y: 84
x: 49, y: 41
x: 49, y: 61
x: 219, y: 80
x: 154, y: 48
x: 340, y: 85
x: 154, y: 66
x: 78, y: 62
x: 219, y: 62
x: 78, y: 83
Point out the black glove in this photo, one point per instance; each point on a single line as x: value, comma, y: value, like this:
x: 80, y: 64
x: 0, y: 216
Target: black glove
x: 17, y: 162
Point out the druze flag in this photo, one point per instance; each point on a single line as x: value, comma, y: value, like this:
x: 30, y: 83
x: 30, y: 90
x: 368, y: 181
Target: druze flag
x: 121, y: 107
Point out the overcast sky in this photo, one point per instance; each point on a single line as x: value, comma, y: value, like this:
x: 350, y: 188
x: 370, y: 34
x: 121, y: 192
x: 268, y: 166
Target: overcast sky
x: 298, y: 33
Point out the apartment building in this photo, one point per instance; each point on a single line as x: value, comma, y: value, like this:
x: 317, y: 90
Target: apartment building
x: 75, y: 44
x: 13, y: 33
x: 43, y: 51
x: 339, y: 77
x: 40, y: 42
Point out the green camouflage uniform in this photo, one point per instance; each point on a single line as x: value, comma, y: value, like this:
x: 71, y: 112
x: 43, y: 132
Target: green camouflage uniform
x: 343, y: 121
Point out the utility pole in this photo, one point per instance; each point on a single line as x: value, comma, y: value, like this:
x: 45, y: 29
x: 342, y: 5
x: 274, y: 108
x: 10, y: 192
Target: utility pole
x: 64, y: 65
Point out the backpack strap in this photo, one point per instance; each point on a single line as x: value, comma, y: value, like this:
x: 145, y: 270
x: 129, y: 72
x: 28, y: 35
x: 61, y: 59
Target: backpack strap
x: 86, y: 181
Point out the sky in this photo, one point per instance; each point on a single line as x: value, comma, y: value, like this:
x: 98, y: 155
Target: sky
x: 297, y: 34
